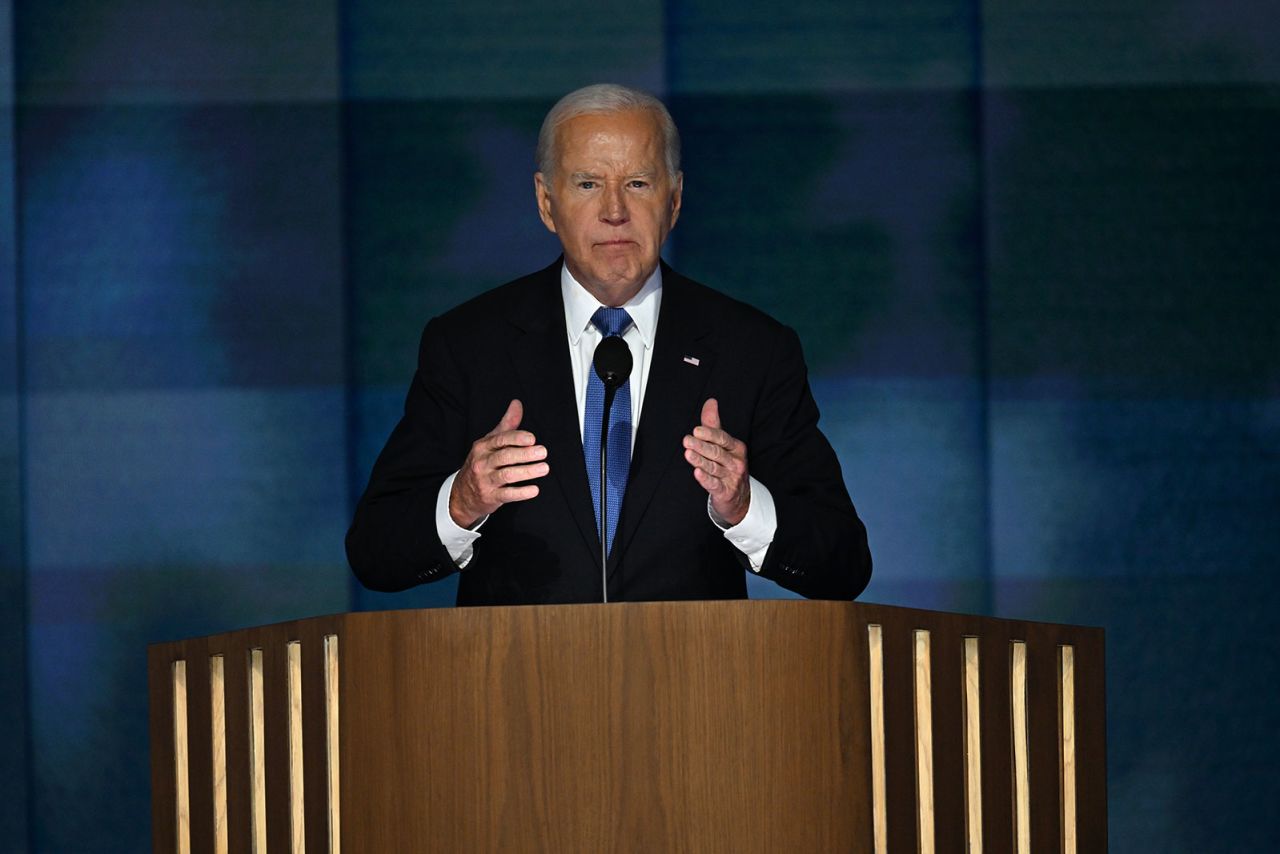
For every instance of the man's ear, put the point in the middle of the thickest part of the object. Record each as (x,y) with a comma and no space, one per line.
(677,194)
(542,192)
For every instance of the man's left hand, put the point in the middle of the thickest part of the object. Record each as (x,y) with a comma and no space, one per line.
(719,465)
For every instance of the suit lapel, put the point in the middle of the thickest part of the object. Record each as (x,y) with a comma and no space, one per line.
(672,400)
(540,354)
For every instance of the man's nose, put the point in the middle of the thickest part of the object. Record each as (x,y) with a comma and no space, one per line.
(614,210)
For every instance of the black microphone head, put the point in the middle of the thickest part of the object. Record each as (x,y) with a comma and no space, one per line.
(613,361)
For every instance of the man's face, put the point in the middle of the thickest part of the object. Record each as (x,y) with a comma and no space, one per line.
(610,200)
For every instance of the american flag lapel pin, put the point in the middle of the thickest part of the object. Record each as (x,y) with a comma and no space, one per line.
(692,360)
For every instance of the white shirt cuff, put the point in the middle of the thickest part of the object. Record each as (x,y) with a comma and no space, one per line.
(753,535)
(458,541)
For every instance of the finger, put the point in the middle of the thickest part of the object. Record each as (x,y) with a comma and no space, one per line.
(517,455)
(509,439)
(710,450)
(709,434)
(509,494)
(717,437)
(712,485)
(732,457)
(518,474)
(485,460)
(711,414)
(510,419)
(704,464)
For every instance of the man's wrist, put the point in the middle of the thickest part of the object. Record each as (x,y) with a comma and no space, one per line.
(458,540)
(754,534)
(462,516)
(723,523)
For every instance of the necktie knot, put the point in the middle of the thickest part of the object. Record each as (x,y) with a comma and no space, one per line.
(611,321)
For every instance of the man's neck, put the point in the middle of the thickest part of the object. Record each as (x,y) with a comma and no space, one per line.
(615,296)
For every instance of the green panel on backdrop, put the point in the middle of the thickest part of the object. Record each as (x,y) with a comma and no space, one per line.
(438,190)
(1111,44)
(130,51)
(503,49)
(754,48)
(1133,239)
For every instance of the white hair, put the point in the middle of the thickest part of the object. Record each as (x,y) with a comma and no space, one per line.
(604,98)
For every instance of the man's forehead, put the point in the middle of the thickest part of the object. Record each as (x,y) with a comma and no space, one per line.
(609,140)
(630,116)
(638,126)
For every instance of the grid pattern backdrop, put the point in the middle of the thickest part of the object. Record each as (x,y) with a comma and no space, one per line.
(1031,249)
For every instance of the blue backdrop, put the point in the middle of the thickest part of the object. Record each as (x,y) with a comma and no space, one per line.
(1031,249)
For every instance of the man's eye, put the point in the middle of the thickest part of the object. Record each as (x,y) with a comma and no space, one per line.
(586,185)
(639,185)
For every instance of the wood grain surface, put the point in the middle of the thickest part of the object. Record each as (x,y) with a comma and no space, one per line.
(576,728)
(692,726)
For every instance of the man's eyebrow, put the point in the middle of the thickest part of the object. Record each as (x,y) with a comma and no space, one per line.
(596,176)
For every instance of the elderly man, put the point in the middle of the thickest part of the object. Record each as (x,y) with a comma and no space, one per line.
(716,464)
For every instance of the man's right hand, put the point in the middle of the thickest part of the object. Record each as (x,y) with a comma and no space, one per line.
(498,461)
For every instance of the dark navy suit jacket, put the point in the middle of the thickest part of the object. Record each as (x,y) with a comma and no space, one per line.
(510,343)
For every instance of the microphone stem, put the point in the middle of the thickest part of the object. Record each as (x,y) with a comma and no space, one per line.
(609,392)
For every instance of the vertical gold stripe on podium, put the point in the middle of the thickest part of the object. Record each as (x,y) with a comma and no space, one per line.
(331,740)
(1021,772)
(218,744)
(972,747)
(924,742)
(297,813)
(1067,757)
(257,757)
(181,772)
(879,811)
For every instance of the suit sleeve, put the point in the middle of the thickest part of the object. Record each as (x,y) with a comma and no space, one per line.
(820,547)
(393,543)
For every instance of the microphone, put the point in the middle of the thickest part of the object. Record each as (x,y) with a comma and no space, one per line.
(612,362)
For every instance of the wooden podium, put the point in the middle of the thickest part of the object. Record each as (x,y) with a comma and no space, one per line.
(648,727)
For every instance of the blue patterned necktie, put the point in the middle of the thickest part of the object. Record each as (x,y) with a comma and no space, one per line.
(610,321)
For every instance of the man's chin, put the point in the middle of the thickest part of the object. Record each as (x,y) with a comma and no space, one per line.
(620,283)
(613,268)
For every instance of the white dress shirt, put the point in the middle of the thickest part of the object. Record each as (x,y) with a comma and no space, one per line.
(751,536)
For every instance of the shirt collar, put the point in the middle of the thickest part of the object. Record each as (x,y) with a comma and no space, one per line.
(580,305)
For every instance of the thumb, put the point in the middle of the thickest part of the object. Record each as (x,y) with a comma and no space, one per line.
(711,414)
(510,419)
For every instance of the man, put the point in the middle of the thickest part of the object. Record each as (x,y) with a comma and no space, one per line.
(493,470)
